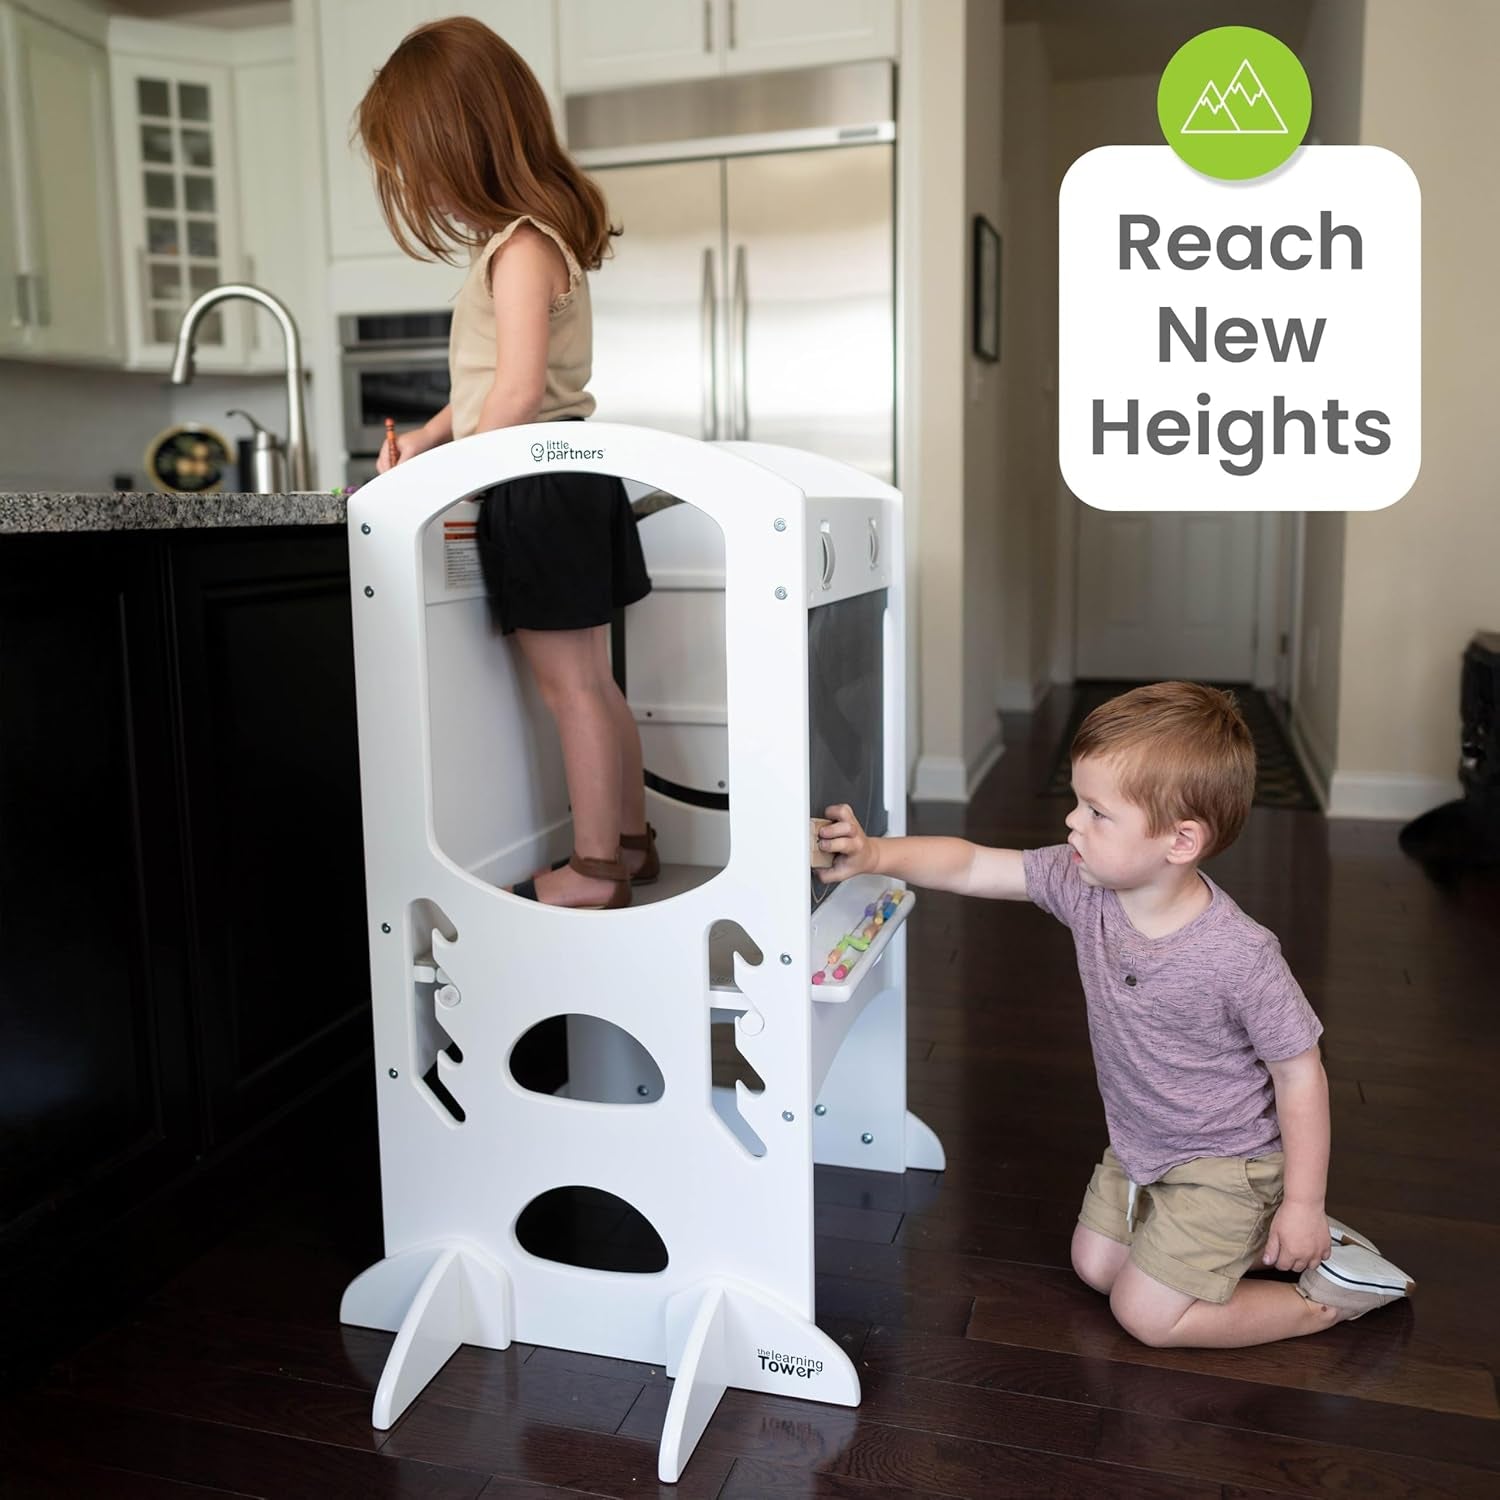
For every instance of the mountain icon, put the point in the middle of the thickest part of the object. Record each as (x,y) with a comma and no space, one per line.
(1251,105)
(1210,115)
(1244,108)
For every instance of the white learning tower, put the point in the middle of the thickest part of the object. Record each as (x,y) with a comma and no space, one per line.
(766,671)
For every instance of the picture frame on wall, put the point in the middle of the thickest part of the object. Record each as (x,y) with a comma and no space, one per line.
(986,290)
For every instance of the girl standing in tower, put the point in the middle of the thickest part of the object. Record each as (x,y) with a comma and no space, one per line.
(466,158)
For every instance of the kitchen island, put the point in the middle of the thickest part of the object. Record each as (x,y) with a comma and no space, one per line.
(183,972)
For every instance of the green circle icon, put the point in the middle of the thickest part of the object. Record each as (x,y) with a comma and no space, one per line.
(1234,102)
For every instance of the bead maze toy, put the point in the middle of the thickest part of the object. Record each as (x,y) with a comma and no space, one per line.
(766,673)
(853,946)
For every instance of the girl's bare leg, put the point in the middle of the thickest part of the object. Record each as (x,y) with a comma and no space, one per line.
(628,737)
(566,664)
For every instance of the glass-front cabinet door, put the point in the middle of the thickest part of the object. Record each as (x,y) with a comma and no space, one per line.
(174,152)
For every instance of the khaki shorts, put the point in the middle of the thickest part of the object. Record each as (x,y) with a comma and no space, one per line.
(1199,1228)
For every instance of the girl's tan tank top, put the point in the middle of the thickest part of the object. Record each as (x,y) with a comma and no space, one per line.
(471,343)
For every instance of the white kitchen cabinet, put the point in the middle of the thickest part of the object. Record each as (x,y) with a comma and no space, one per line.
(605,44)
(13,325)
(273,239)
(761,36)
(59,296)
(174,161)
(354,38)
(206,153)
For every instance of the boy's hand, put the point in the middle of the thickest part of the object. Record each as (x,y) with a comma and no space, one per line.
(1299,1237)
(855,853)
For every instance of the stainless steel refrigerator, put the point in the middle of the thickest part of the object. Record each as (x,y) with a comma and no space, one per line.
(752,293)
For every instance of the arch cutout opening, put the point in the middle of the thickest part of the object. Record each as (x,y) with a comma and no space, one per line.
(668,656)
(592,1229)
(587,1059)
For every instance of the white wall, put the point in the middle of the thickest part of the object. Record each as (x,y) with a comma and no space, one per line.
(934,258)
(1029,362)
(73,429)
(1333,54)
(1422,576)
(953,427)
(1391,598)
(985,499)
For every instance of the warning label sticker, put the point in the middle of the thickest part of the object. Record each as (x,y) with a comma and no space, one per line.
(461,570)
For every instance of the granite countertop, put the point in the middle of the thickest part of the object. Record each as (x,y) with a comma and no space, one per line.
(32,514)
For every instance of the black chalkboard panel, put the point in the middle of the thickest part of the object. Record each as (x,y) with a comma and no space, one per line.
(846,711)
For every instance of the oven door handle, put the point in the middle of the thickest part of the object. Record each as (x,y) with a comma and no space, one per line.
(385,359)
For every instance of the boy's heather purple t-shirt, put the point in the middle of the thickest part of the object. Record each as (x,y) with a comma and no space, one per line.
(1182,1025)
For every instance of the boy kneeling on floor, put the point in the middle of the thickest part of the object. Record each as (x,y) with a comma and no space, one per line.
(1204,1044)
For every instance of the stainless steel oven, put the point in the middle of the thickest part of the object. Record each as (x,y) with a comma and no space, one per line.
(394,365)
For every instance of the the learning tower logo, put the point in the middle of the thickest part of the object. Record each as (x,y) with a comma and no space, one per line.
(555,449)
(798,1366)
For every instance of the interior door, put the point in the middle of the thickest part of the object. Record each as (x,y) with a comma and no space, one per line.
(812,302)
(658,334)
(1165,594)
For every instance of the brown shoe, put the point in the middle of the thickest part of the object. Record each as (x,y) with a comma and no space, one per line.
(592,869)
(650,869)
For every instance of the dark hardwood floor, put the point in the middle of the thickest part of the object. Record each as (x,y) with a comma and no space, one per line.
(988,1370)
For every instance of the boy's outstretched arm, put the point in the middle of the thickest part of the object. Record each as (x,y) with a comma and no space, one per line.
(939,864)
(1299,1233)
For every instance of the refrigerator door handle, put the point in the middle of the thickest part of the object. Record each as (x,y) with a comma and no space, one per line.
(709,338)
(741,335)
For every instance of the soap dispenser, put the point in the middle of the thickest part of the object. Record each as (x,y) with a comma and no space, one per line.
(266,472)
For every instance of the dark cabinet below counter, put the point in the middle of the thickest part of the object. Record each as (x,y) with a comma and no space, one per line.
(183,966)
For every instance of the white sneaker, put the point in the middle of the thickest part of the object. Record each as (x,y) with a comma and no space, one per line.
(1342,1234)
(1354,1280)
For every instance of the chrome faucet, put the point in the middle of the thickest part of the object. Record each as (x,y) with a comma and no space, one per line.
(299,471)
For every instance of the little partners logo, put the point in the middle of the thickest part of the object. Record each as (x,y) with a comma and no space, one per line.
(799,1366)
(555,450)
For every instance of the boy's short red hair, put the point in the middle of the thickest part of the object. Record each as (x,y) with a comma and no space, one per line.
(1181,750)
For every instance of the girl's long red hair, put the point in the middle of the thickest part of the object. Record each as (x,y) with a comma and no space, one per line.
(461,139)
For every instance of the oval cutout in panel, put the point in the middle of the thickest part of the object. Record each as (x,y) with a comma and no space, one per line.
(588,1059)
(587,1227)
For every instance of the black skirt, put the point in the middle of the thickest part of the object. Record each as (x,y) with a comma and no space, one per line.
(560,551)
